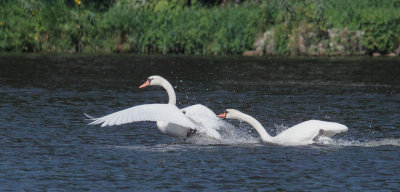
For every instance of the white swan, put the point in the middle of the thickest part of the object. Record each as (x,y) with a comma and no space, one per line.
(301,134)
(170,120)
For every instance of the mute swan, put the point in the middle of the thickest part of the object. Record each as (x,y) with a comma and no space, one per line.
(301,134)
(170,120)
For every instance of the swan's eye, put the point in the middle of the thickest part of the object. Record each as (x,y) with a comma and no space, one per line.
(149,80)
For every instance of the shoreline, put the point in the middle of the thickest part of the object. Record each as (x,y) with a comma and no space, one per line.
(275,28)
(216,57)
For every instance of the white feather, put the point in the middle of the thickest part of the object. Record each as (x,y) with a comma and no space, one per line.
(149,112)
(305,132)
(301,134)
(207,120)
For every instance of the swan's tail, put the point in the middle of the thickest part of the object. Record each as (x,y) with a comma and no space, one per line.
(89,117)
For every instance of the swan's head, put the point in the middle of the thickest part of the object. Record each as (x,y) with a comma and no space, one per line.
(230,114)
(153,80)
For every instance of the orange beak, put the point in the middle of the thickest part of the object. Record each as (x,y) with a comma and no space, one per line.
(222,115)
(145,84)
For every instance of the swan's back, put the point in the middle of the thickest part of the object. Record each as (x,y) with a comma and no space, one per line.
(305,132)
(202,114)
(205,119)
(330,128)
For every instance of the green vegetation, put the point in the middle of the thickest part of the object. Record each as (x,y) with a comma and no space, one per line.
(305,27)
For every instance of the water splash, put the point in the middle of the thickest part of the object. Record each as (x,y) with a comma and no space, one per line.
(230,135)
(233,135)
(280,128)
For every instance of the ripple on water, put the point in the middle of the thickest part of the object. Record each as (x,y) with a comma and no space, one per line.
(46,145)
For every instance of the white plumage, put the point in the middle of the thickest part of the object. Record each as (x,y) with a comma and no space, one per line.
(149,112)
(205,119)
(170,120)
(301,134)
(306,132)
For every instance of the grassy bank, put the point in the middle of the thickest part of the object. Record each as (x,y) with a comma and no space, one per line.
(204,28)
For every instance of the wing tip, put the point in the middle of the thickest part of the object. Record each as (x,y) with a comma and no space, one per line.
(89,117)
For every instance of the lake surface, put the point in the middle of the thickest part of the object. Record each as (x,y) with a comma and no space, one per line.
(45,144)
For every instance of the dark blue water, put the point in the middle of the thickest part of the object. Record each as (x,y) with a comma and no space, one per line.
(46,145)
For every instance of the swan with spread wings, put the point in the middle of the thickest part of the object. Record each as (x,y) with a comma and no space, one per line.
(182,123)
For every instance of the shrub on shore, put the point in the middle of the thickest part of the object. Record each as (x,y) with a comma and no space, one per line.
(287,27)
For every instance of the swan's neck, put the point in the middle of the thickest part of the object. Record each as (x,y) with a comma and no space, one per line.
(257,125)
(170,91)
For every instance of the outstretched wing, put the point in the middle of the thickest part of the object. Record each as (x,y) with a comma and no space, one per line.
(149,112)
(205,119)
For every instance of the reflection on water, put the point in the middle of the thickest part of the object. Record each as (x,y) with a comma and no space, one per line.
(46,144)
